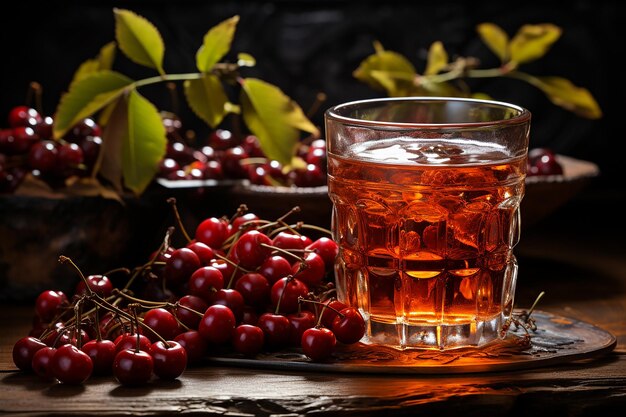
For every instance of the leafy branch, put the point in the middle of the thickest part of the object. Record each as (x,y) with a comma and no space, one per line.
(393,73)
(134,139)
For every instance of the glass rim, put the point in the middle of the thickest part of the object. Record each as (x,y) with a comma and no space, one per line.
(523,116)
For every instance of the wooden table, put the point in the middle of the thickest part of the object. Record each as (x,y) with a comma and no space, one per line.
(579,262)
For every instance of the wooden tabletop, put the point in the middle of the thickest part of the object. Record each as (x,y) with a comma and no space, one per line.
(580,263)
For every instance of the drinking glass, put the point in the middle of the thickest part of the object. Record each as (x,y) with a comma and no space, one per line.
(426,195)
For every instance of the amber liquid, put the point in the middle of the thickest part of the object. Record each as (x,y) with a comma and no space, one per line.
(425,230)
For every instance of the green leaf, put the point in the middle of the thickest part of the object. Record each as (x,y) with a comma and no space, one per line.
(113,138)
(140,41)
(245,60)
(216,44)
(145,143)
(564,93)
(274,118)
(400,72)
(495,38)
(104,61)
(86,96)
(207,99)
(533,41)
(437,58)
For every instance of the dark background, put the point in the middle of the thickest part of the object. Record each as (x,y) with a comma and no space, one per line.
(306,47)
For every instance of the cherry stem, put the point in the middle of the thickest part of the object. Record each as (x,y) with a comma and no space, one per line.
(97,325)
(541,294)
(284,251)
(133,308)
(143,303)
(282,218)
(287,281)
(172,202)
(163,247)
(177,304)
(65,259)
(78,311)
(230,262)
(324,305)
(117,270)
(241,210)
(320,98)
(34,89)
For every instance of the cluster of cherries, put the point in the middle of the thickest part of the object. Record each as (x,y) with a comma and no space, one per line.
(224,156)
(27,146)
(245,285)
(542,161)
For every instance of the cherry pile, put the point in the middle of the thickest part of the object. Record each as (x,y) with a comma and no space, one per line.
(542,161)
(27,146)
(224,156)
(242,286)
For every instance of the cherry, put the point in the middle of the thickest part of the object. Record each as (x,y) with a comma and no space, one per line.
(218,324)
(221,139)
(543,162)
(249,316)
(318,343)
(49,304)
(162,322)
(41,362)
(169,360)
(100,284)
(213,170)
(84,128)
(276,329)
(129,341)
(329,314)
(180,152)
(231,162)
(252,146)
(317,144)
(227,269)
(274,268)
(102,353)
(205,281)
(187,317)
(68,337)
(194,344)
(90,146)
(243,222)
(327,249)
(212,232)
(43,156)
(181,265)
(248,339)
(311,176)
(24,116)
(292,289)
(349,327)
(43,129)
(209,153)
(259,175)
(318,157)
(167,166)
(71,365)
(298,323)
(254,288)
(311,271)
(250,250)
(231,299)
(287,241)
(275,170)
(204,252)
(24,350)
(133,367)
(69,158)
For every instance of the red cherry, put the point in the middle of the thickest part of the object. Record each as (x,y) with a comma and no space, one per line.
(68,337)
(49,304)
(231,299)
(254,289)
(285,240)
(43,156)
(163,322)
(275,170)
(293,289)
(328,314)
(82,129)
(41,362)
(71,365)
(44,128)
(252,146)
(221,139)
(259,175)
(350,326)
(227,269)
(274,268)
(129,341)
(204,252)
(318,343)
(543,162)
(249,316)
(250,250)
(327,249)
(311,271)
(244,222)
(318,144)
(299,322)
(180,152)
(100,284)
(217,324)
(213,170)
(317,156)
(187,317)
(248,339)
(91,146)
(24,116)
(182,263)
(167,166)
(69,158)
(102,353)
(276,329)
(169,361)
(24,350)
(311,176)
(133,367)
(212,232)
(194,344)
(205,281)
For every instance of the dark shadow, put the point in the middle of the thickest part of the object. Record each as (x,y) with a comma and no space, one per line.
(28,381)
(132,391)
(64,390)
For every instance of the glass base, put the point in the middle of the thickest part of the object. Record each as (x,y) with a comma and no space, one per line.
(432,336)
